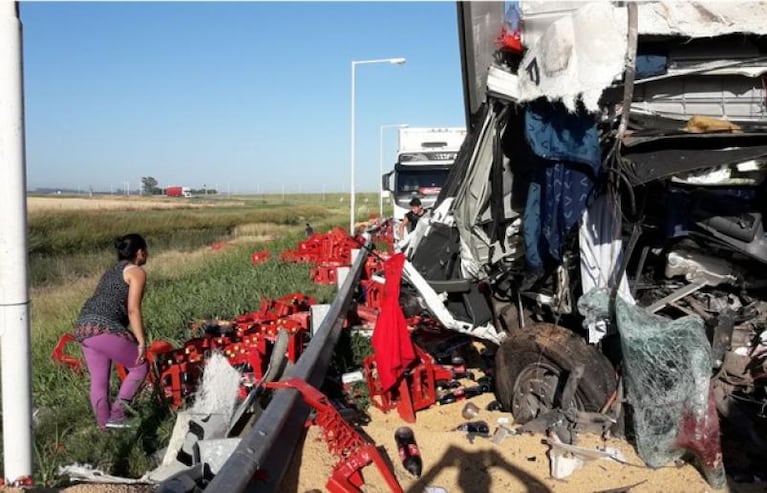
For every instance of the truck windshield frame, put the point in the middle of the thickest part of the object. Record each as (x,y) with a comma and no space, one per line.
(412,180)
(427,157)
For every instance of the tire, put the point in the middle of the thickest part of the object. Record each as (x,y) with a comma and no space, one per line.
(532,366)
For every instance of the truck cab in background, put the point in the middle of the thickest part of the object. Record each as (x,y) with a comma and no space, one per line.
(424,158)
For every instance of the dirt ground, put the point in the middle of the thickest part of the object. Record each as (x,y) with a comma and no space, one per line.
(40,204)
(518,464)
(450,462)
(453,464)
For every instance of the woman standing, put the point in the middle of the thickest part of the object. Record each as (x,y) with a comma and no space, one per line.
(110,328)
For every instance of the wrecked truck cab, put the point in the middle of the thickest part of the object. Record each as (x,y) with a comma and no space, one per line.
(650,200)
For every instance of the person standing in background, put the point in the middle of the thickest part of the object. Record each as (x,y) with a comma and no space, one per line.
(412,217)
(110,328)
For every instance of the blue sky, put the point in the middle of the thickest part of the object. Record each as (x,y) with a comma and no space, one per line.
(243,96)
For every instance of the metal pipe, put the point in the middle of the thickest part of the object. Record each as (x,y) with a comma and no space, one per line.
(351,190)
(393,61)
(14,284)
(380,171)
(270,444)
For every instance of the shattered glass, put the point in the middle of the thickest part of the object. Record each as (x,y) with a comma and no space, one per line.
(667,368)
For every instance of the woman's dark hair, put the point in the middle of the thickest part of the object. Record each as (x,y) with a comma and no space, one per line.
(128,246)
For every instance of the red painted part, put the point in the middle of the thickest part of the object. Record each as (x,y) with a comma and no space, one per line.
(335,245)
(19,482)
(374,264)
(325,273)
(253,318)
(297,302)
(273,309)
(248,343)
(366,316)
(416,391)
(510,41)
(218,245)
(373,294)
(700,435)
(259,257)
(157,347)
(59,356)
(354,452)
(248,346)
(385,235)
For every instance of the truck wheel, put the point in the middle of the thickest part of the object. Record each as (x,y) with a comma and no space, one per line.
(532,366)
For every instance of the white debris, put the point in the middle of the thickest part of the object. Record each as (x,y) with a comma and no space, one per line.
(212,410)
(87,474)
(566,459)
(219,388)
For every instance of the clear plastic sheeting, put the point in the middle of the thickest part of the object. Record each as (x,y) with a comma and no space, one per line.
(667,368)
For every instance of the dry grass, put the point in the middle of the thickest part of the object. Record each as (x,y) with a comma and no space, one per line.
(173,264)
(49,304)
(109,203)
(261,229)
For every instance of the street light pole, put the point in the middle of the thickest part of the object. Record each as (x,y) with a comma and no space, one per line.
(380,163)
(394,61)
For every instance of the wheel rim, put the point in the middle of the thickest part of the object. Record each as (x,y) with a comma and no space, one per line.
(537,390)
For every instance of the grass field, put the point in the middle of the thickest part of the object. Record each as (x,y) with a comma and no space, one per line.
(187,280)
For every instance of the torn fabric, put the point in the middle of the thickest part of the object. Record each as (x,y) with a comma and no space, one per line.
(570,159)
(601,248)
(391,341)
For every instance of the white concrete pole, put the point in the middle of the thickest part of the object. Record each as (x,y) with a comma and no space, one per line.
(14,284)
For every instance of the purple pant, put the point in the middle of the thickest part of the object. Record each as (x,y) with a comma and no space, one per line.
(99,352)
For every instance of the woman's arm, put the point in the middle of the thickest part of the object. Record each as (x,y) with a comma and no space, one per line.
(136,279)
(402,225)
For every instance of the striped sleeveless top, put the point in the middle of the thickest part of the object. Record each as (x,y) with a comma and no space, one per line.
(106,312)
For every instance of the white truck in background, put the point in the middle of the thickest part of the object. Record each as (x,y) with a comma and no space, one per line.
(424,158)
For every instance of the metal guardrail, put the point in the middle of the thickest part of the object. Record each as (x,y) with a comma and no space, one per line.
(270,444)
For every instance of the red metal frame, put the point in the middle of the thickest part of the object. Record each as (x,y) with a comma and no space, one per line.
(247,342)
(259,257)
(417,389)
(59,356)
(354,452)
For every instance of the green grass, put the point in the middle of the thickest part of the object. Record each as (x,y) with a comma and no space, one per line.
(227,287)
(64,232)
(222,285)
(72,243)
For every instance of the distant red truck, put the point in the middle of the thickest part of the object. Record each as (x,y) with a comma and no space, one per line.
(177,192)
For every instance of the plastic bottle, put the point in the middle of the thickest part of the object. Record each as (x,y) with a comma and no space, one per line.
(486,383)
(478,427)
(446,399)
(474,391)
(494,406)
(408,451)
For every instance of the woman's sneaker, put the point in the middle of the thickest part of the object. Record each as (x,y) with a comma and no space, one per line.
(119,424)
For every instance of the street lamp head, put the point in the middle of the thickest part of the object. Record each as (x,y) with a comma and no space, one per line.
(397,61)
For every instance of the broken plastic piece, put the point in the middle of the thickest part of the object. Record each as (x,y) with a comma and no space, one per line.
(566,459)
